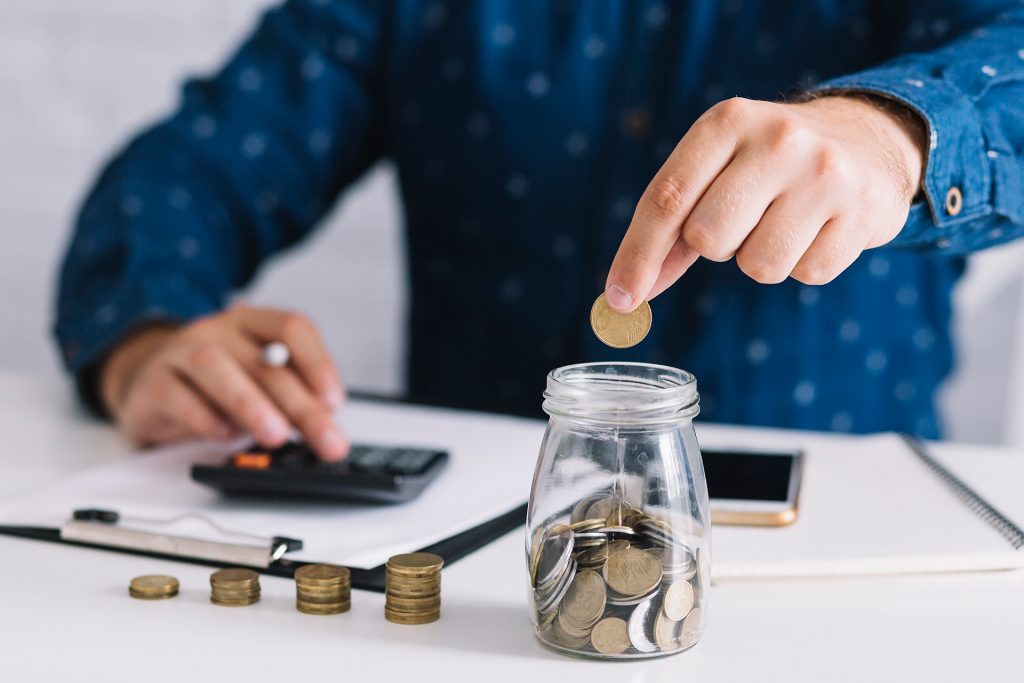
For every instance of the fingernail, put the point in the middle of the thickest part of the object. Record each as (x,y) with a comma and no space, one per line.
(272,430)
(618,298)
(331,442)
(333,398)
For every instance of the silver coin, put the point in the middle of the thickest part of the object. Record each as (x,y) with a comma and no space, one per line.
(554,598)
(555,551)
(641,626)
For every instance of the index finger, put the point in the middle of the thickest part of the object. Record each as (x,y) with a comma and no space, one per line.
(700,156)
(306,348)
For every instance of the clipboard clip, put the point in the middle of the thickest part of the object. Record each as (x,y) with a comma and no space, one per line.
(110,528)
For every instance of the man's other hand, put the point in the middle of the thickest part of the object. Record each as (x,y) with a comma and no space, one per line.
(208,379)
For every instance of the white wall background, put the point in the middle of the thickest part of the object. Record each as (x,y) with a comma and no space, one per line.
(77,77)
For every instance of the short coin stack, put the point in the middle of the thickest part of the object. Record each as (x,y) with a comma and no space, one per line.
(413,588)
(323,589)
(153,587)
(234,587)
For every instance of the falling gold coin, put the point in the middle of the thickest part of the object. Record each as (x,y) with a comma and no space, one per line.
(620,330)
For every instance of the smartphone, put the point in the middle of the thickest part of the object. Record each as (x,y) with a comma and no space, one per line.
(753,488)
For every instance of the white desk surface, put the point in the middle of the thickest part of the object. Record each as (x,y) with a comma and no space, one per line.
(65,614)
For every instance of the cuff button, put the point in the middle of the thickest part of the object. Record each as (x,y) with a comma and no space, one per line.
(954,201)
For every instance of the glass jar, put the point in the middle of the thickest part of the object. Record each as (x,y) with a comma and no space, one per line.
(618,526)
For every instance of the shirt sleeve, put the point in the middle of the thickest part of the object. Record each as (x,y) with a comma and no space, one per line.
(248,163)
(962,70)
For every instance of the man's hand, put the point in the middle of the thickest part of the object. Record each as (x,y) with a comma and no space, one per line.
(788,189)
(208,379)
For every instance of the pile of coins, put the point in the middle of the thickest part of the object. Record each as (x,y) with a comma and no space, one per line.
(412,593)
(323,589)
(615,581)
(153,587)
(234,587)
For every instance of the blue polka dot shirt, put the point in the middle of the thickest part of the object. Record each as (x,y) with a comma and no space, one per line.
(524,134)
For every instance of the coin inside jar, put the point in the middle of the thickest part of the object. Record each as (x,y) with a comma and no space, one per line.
(610,636)
(552,555)
(632,572)
(584,602)
(678,600)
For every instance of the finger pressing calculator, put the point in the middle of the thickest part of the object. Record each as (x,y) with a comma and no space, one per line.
(370,474)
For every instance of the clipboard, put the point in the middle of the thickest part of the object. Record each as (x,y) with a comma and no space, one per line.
(451,549)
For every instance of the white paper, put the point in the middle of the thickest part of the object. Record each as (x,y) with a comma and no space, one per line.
(489,471)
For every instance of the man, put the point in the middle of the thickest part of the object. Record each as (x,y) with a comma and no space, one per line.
(528,136)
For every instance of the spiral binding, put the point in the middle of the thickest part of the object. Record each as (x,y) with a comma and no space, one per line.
(978,505)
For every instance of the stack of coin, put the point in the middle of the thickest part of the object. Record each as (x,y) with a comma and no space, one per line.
(615,580)
(323,589)
(413,588)
(153,587)
(234,587)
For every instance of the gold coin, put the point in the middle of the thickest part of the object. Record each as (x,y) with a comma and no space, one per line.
(321,590)
(610,636)
(632,572)
(584,602)
(423,604)
(234,603)
(585,525)
(691,627)
(322,575)
(234,575)
(570,629)
(566,640)
(678,600)
(405,618)
(153,587)
(617,545)
(332,608)
(620,330)
(415,563)
(666,632)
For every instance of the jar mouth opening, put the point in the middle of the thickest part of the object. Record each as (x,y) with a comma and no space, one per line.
(621,393)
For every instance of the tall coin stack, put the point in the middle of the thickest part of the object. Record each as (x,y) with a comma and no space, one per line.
(323,589)
(234,587)
(413,588)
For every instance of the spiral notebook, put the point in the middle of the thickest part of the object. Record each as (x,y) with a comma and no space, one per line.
(883,505)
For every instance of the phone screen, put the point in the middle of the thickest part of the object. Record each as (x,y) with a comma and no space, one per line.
(739,475)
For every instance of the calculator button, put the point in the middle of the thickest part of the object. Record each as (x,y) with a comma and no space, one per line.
(369,459)
(410,461)
(252,461)
(294,456)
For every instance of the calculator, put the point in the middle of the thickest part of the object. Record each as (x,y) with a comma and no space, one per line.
(370,474)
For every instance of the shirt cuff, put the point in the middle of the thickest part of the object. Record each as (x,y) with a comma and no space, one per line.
(957,179)
(86,337)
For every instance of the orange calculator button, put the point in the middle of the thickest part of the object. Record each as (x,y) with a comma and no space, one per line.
(252,461)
